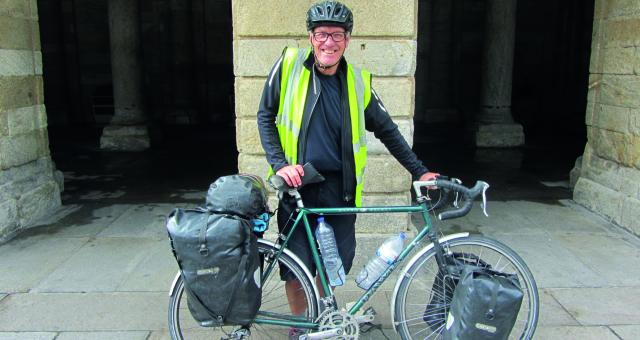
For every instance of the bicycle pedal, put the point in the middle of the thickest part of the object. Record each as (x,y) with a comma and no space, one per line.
(330,333)
(238,334)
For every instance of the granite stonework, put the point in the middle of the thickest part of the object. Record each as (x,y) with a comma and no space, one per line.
(381,43)
(29,183)
(610,168)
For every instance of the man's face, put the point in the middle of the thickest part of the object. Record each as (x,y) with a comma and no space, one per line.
(329,51)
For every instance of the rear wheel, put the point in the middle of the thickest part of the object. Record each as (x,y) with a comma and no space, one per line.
(274,304)
(422,285)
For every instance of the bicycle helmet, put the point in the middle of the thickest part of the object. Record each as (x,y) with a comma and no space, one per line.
(332,13)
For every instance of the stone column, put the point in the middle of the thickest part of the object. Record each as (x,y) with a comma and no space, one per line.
(183,112)
(496,127)
(29,184)
(127,130)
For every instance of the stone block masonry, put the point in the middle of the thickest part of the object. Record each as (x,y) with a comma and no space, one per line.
(610,174)
(383,41)
(28,189)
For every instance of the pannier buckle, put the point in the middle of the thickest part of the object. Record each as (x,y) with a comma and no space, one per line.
(203,250)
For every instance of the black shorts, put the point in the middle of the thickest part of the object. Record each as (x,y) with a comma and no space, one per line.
(319,195)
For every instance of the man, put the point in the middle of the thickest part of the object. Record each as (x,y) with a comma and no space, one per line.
(315,108)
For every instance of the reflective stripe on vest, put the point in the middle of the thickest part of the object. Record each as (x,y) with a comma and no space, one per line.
(295,84)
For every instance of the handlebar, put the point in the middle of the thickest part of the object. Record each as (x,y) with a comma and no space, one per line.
(468,195)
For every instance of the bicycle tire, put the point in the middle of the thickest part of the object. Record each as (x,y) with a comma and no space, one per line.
(274,299)
(414,290)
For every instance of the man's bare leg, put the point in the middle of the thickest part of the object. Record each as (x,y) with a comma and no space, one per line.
(295,295)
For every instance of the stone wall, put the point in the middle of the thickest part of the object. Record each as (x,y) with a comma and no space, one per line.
(384,42)
(610,174)
(28,190)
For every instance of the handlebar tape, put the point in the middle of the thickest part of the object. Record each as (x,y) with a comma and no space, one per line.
(468,195)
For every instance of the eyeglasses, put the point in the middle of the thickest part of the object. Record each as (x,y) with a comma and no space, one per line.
(323,36)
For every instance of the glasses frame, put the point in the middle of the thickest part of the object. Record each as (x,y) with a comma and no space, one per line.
(327,35)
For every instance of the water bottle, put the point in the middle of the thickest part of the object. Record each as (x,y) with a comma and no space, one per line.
(329,250)
(386,254)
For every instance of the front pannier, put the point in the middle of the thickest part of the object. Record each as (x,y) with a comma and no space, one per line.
(485,305)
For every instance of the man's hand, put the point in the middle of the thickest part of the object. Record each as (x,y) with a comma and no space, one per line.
(427,176)
(291,174)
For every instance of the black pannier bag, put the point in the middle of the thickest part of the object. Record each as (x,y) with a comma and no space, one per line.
(485,305)
(218,254)
(444,284)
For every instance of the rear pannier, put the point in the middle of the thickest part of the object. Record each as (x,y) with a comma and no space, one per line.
(217,251)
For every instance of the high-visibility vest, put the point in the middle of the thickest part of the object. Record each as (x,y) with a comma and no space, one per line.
(293,94)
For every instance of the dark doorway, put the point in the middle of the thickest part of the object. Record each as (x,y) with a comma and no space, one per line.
(549,89)
(188,80)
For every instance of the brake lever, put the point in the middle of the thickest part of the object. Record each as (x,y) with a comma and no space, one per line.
(485,186)
(455,200)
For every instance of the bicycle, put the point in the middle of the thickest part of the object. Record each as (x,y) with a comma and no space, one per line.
(423,279)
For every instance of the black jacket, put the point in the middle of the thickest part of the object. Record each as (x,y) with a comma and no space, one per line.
(377,120)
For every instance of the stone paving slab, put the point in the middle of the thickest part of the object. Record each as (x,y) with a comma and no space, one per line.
(131,335)
(601,306)
(606,256)
(28,335)
(502,219)
(83,312)
(551,264)
(574,332)
(30,259)
(552,313)
(85,220)
(141,221)
(155,272)
(100,266)
(627,332)
(546,216)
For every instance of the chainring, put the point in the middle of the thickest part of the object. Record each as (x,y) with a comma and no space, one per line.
(342,320)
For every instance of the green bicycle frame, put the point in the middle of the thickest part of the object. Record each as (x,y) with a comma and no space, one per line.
(301,322)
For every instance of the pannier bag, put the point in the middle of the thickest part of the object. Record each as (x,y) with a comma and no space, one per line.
(217,252)
(444,285)
(485,305)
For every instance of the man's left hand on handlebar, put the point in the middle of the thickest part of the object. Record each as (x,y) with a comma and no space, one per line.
(292,174)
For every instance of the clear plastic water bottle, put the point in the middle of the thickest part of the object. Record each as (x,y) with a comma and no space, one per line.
(329,250)
(386,254)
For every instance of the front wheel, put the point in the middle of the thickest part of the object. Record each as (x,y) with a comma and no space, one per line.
(274,302)
(422,285)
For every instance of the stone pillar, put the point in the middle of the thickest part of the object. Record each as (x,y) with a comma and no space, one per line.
(29,184)
(496,127)
(383,41)
(182,88)
(609,171)
(127,130)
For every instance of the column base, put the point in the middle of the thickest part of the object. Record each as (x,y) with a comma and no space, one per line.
(499,135)
(125,138)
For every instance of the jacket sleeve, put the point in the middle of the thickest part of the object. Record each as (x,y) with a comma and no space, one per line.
(378,121)
(267,113)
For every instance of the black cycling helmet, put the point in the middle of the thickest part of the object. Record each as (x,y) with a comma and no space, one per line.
(332,13)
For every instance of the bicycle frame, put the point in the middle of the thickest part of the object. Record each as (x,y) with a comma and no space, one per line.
(303,218)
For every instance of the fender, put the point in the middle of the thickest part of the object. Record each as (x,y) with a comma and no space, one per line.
(404,272)
(174,286)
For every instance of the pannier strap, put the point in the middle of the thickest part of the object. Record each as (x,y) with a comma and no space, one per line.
(202,237)
(238,280)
